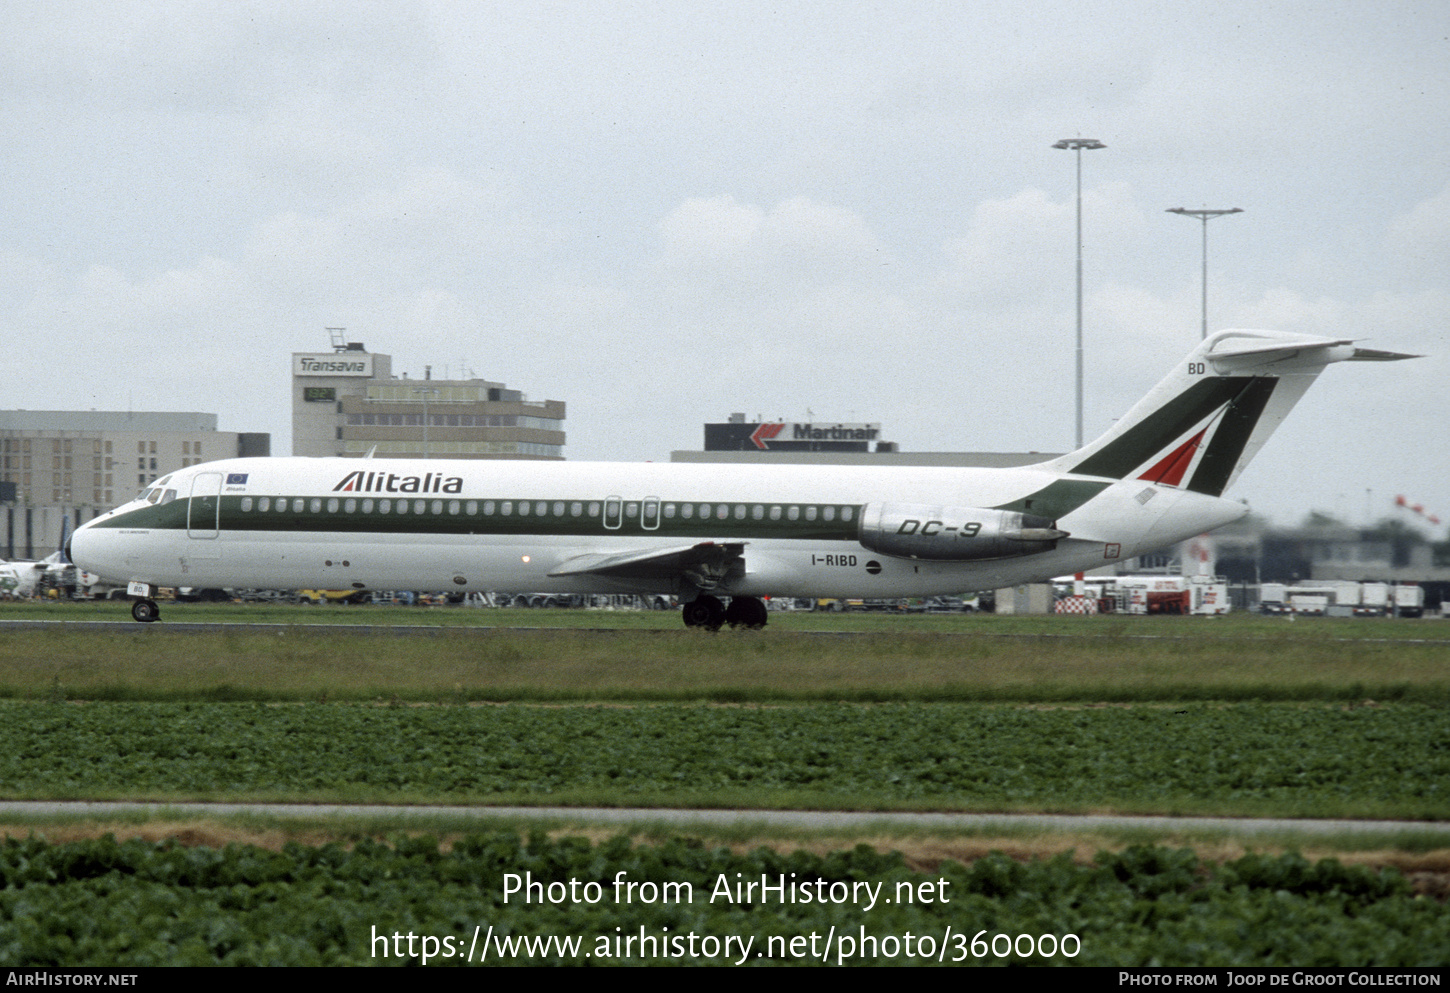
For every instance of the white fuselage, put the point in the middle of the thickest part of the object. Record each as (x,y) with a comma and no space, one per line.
(462,525)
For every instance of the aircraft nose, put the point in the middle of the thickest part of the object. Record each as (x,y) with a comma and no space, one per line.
(87,547)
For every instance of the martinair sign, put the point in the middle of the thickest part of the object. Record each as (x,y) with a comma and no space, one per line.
(834,432)
(333,364)
(790,436)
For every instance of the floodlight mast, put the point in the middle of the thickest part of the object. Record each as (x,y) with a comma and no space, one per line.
(425,392)
(1205,216)
(1077,145)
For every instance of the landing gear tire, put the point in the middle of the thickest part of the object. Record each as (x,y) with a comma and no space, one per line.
(703,612)
(746,612)
(145,611)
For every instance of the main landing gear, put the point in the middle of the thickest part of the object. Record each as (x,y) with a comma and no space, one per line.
(708,612)
(145,611)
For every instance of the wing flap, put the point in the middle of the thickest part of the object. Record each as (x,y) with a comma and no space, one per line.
(702,565)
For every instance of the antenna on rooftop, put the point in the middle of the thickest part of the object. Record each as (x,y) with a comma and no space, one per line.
(339,339)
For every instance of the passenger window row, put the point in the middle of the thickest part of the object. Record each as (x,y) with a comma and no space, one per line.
(758,512)
(544,508)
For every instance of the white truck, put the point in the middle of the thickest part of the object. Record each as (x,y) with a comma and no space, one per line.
(1343,599)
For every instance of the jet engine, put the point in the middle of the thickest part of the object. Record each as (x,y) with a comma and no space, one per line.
(924,531)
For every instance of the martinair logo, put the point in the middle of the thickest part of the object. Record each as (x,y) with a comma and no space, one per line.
(359,481)
(764,433)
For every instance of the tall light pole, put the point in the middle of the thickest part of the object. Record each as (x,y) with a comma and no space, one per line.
(1205,216)
(425,393)
(1077,145)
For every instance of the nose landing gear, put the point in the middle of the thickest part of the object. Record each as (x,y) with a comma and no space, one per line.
(145,611)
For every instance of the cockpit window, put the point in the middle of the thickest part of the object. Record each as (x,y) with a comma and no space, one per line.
(159,495)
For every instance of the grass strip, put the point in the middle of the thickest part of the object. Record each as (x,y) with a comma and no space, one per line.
(298,664)
(1231,760)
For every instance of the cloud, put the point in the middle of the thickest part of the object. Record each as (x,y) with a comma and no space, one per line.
(1283,309)
(798,239)
(1008,244)
(710,230)
(136,310)
(527,189)
(1422,316)
(206,56)
(1420,237)
(1015,246)
(431,228)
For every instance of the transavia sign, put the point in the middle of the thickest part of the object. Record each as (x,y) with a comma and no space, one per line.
(333,364)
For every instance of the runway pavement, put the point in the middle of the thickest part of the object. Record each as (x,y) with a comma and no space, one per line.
(816,820)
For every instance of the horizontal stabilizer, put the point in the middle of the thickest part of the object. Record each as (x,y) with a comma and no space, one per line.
(1243,351)
(1243,345)
(1376,355)
(1238,351)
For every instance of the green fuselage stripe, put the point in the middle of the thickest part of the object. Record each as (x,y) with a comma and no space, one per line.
(1058,498)
(204,517)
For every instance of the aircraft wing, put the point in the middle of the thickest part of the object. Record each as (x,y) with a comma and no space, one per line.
(703,565)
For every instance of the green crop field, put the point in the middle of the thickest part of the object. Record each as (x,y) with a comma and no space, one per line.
(494,899)
(1227,715)
(1233,716)
(1290,760)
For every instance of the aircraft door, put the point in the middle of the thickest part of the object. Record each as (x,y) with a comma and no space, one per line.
(613,513)
(204,506)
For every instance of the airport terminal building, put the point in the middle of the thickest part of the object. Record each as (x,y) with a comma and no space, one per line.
(68,466)
(348,403)
(761,442)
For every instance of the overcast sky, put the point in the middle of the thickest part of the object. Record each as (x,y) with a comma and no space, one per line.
(661,213)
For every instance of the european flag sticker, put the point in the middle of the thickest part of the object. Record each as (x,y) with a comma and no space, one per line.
(236,478)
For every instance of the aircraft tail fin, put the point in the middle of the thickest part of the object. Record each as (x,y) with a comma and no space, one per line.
(1201,425)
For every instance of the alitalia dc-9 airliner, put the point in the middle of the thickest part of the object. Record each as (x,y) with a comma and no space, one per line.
(720,537)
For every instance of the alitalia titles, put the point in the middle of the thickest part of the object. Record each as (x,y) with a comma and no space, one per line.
(359,481)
